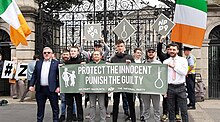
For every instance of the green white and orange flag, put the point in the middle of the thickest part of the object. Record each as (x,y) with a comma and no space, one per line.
(190,18)
(11,14)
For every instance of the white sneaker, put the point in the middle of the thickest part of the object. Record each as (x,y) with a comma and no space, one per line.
(88,116)
(108,115)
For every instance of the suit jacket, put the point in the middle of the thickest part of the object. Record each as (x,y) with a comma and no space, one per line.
(53,81)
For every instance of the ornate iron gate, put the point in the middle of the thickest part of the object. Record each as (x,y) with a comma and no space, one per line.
(5,50)
(214,59)
(107,12)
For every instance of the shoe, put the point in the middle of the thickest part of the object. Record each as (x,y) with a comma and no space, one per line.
(62,118)
(164,117)
(74,117)
(21,100)
(87,116)
(128,118)
(142,119)
(126,113)
(108,115)
(15,97)
(178,117)
(192,107)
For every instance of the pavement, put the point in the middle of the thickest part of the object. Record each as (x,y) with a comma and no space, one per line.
(25,111)
(15,111)
(207,111)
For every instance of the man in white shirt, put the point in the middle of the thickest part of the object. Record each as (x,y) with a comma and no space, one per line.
(177,70)
(45,79)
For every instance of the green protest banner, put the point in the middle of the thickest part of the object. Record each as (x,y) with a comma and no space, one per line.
(113,77)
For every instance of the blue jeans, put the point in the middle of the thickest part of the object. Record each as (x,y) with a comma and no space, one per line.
(63,105)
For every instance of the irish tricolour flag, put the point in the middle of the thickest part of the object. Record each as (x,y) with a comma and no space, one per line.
(190,18)
(11,14)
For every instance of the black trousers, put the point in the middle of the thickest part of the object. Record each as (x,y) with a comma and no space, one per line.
(177,92)
(116,99)
(190,85)
(165,106)
(41,97)
(106,101)
(69,102)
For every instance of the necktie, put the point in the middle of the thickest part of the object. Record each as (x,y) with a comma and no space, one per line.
(174,72)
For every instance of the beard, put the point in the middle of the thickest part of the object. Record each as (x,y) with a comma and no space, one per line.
(173,54)
(65,58)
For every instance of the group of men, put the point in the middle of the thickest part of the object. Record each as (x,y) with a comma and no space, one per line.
(180,71)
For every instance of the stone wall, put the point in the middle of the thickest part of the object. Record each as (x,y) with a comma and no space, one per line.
(202,54)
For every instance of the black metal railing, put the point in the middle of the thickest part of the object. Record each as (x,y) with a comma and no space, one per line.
(108,13)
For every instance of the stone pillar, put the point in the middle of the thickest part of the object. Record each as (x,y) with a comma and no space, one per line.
(201,55)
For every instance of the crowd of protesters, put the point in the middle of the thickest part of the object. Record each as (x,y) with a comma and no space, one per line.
(43,75)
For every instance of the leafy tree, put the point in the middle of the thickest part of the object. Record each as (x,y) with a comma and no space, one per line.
(57,5)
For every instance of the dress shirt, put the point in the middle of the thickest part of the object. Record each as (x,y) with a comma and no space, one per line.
(45,72)
(181,68)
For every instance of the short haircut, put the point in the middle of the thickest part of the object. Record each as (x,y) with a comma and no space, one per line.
(45,48)
(135,50)
(119,41)
(36,57)
(66,51)
(75,47)
(187,48)
(100,52)
(174,45)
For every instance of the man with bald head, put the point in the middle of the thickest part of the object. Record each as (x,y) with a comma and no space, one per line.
(45,80)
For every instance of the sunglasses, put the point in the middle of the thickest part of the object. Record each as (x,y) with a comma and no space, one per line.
(47,52)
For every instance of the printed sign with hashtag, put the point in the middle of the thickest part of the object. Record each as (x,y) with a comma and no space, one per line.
(8,69)
(163,25)
(21,71)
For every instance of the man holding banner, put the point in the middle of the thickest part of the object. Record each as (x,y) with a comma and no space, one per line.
(177,70)
(122,57)
(139,59)
(97,59)
(150,58)
(75,58)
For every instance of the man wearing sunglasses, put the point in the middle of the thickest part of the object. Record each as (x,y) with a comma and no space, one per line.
(45,80)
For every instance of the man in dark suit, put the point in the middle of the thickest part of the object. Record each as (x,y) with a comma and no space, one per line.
(45,79)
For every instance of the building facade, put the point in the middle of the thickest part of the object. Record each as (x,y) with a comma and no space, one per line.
(208,56)
(8,50)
